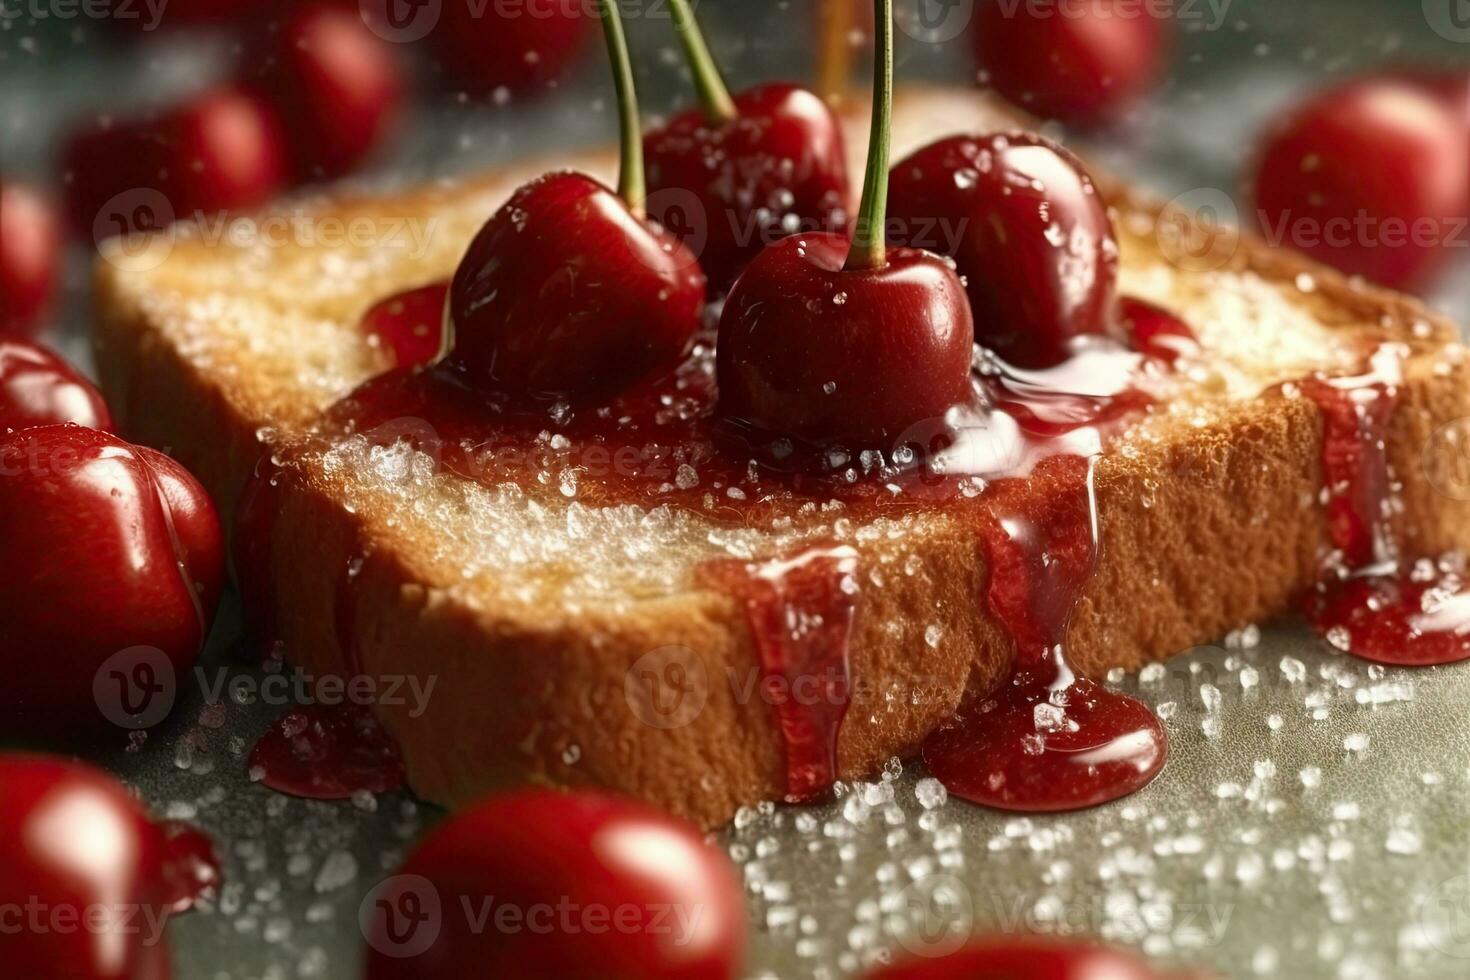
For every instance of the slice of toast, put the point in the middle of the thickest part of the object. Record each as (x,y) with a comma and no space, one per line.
(563,635)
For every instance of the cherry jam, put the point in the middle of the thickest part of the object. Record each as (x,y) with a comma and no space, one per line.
(660,444)
(1372,602)
(327,752)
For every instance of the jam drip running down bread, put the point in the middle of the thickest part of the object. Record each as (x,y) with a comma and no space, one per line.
(612,595)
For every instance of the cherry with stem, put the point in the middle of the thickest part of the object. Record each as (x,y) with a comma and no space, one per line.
(741,171)
(570,293)
(839,343)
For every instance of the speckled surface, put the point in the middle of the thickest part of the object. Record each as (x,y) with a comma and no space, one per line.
(1311,822)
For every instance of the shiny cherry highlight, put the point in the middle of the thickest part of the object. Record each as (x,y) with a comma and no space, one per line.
(37,387)
(1028,232)
(811,351)
(566,294)
(105,547)
(563,858)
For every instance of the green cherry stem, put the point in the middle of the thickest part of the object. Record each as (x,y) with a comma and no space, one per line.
(632,185)
(868,248)
(714,96)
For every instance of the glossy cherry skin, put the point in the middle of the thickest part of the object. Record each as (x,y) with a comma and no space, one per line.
(1081,61)
(222,150)
(565,295)
(39,388)
(1029,234)
(337,85)
(558,858)
(1022,958)
(1348,177)
(733,188)
(30,258)
(515,47)
(72,838)
(831,358)
(198,533)
(104,546)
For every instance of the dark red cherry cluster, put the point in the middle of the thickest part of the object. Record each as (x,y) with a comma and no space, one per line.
(827,338)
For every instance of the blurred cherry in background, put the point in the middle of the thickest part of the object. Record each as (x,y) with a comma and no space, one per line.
(1080,61)
(1371,176)
(221,150)
(30,256)
(521,47)
(336,85)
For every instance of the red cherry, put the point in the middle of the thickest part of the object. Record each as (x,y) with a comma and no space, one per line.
(1024,958)
(30,255)
(729,189)
(39,388)
(1028,232)
(220,151)
(337,85)
(565,294)
(576,885)
(518,47)
(1370,177)
(832,357)
(1082,61)
(76,842)
(97,558)
(409,325)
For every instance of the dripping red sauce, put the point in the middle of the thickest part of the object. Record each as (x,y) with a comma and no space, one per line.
(660,443)
(327,752)
(1046,740)
(801,613)
(1372,601)
(191,868)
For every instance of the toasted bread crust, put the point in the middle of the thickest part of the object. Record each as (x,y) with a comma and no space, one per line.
(1200,535)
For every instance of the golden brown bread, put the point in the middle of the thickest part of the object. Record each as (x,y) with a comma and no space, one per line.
(537,616)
